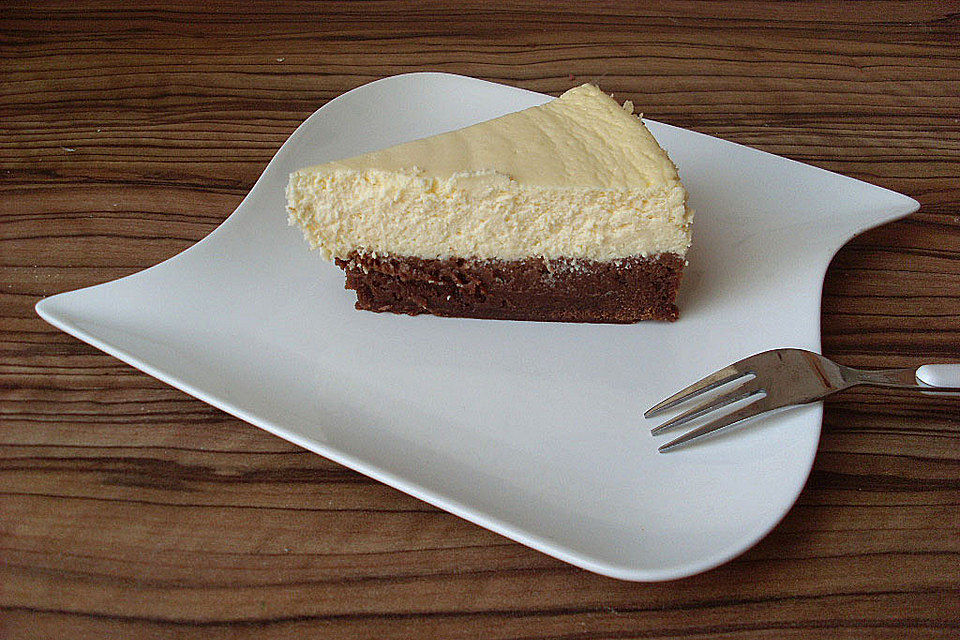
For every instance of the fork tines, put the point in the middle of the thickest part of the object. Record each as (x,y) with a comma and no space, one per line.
(748,388)
(710,382)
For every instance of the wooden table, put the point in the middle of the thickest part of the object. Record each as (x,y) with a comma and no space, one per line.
(128,509)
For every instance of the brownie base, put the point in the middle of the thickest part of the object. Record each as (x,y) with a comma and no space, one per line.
(621,291)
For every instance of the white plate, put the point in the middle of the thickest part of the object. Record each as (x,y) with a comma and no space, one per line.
(532,430)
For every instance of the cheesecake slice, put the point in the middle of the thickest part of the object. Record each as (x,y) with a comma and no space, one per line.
(569,211)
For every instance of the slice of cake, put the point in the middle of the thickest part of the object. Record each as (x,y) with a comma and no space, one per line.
(569,211)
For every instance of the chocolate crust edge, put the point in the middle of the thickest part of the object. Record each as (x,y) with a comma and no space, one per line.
(567,290)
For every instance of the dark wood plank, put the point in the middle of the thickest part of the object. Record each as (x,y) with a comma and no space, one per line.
(128,509)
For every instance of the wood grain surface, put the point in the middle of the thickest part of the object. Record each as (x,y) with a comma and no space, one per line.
(130,510)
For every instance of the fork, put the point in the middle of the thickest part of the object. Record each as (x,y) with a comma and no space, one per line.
(785,378)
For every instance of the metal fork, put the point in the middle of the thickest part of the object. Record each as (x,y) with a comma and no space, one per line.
(784,378)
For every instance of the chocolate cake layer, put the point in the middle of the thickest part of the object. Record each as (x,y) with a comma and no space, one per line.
(620,291)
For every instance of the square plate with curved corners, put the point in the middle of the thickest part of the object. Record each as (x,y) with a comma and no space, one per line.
(533,430)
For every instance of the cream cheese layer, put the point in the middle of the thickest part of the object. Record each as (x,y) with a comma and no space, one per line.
(578,177)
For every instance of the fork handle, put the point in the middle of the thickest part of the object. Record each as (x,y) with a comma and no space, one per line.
(929,377)
(940,375)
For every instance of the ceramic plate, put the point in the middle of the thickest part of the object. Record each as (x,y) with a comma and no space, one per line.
(532,430)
